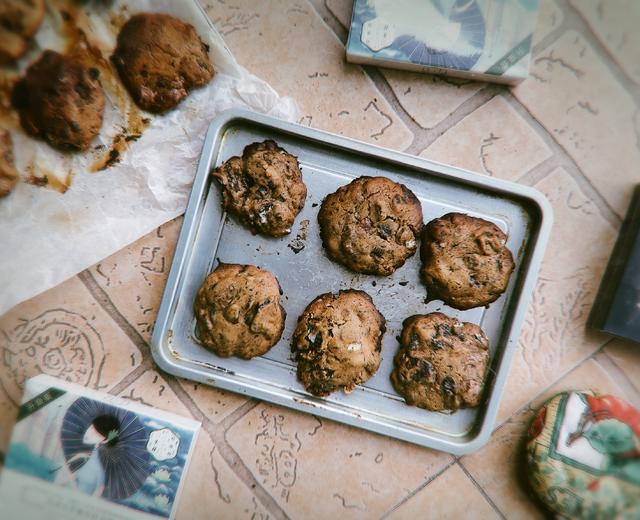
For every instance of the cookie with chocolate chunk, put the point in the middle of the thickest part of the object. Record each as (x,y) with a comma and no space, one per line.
(263,188)
(60,100)
(238,311)
(8,172)
(160,59)
(337,342)
(441,363)
(465,261)
(371,225)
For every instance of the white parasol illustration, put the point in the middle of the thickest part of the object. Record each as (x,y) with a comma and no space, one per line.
(105,449)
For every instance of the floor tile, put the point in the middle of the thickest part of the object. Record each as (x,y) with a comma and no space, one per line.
(215,404)
(427,98)
(212,489)
(152,389)
(135,276)
(494,140)
(332,94)
(320,469)
(550,17)
(615,24)
(442,499)
(341,9)
(574,95)
(626,356)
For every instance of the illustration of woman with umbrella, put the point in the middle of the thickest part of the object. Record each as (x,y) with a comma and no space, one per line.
(105,449)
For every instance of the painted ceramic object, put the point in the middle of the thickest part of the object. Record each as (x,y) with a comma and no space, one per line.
(583,453)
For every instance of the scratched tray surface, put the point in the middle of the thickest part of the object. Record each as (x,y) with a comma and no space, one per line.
(211,236)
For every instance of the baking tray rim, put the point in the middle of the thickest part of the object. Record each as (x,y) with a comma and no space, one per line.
(167,360)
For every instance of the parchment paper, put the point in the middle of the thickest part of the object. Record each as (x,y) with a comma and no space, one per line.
(47,237)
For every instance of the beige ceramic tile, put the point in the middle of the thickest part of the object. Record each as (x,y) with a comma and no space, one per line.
(554,338)
(308,65)
(212,490)
(549,18)
(616,26)
(342,10)
(320,469)
(213,403)
(429,99)
(151,389)
(494,140)
(451,495)
(576,98)
(499,467)
(626,356)
(64,333)
(135,276)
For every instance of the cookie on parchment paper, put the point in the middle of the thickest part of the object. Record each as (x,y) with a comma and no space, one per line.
(160,59)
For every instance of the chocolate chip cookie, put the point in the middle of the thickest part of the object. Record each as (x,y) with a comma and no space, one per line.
(337,342)
(371,225)
(465,262)
(263,188)
(61,101)
(441,363)
(8,173)
(238,311)
(19,21)
(160,59)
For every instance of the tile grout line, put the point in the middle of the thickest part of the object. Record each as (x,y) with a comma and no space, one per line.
(527,405)
(100,295)
(418,489)
(128,379)
(239,468)
(482,491)
(574,20)
(566,161)
(620,377)
(539,171)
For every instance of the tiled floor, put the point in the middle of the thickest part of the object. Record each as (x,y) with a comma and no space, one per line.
(572,130)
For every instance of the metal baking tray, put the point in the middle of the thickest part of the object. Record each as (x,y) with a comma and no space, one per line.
(328,161)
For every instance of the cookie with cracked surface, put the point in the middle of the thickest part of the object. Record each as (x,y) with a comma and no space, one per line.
(337,342)
(238,311)
(8,172)
(19,20)
(465,262)
(60,100)
(160,59)
(441,363)
(371,225)
(263,188)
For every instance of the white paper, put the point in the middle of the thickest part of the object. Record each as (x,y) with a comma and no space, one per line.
(47,237)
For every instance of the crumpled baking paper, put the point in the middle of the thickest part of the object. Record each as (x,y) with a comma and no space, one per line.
(47,237)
